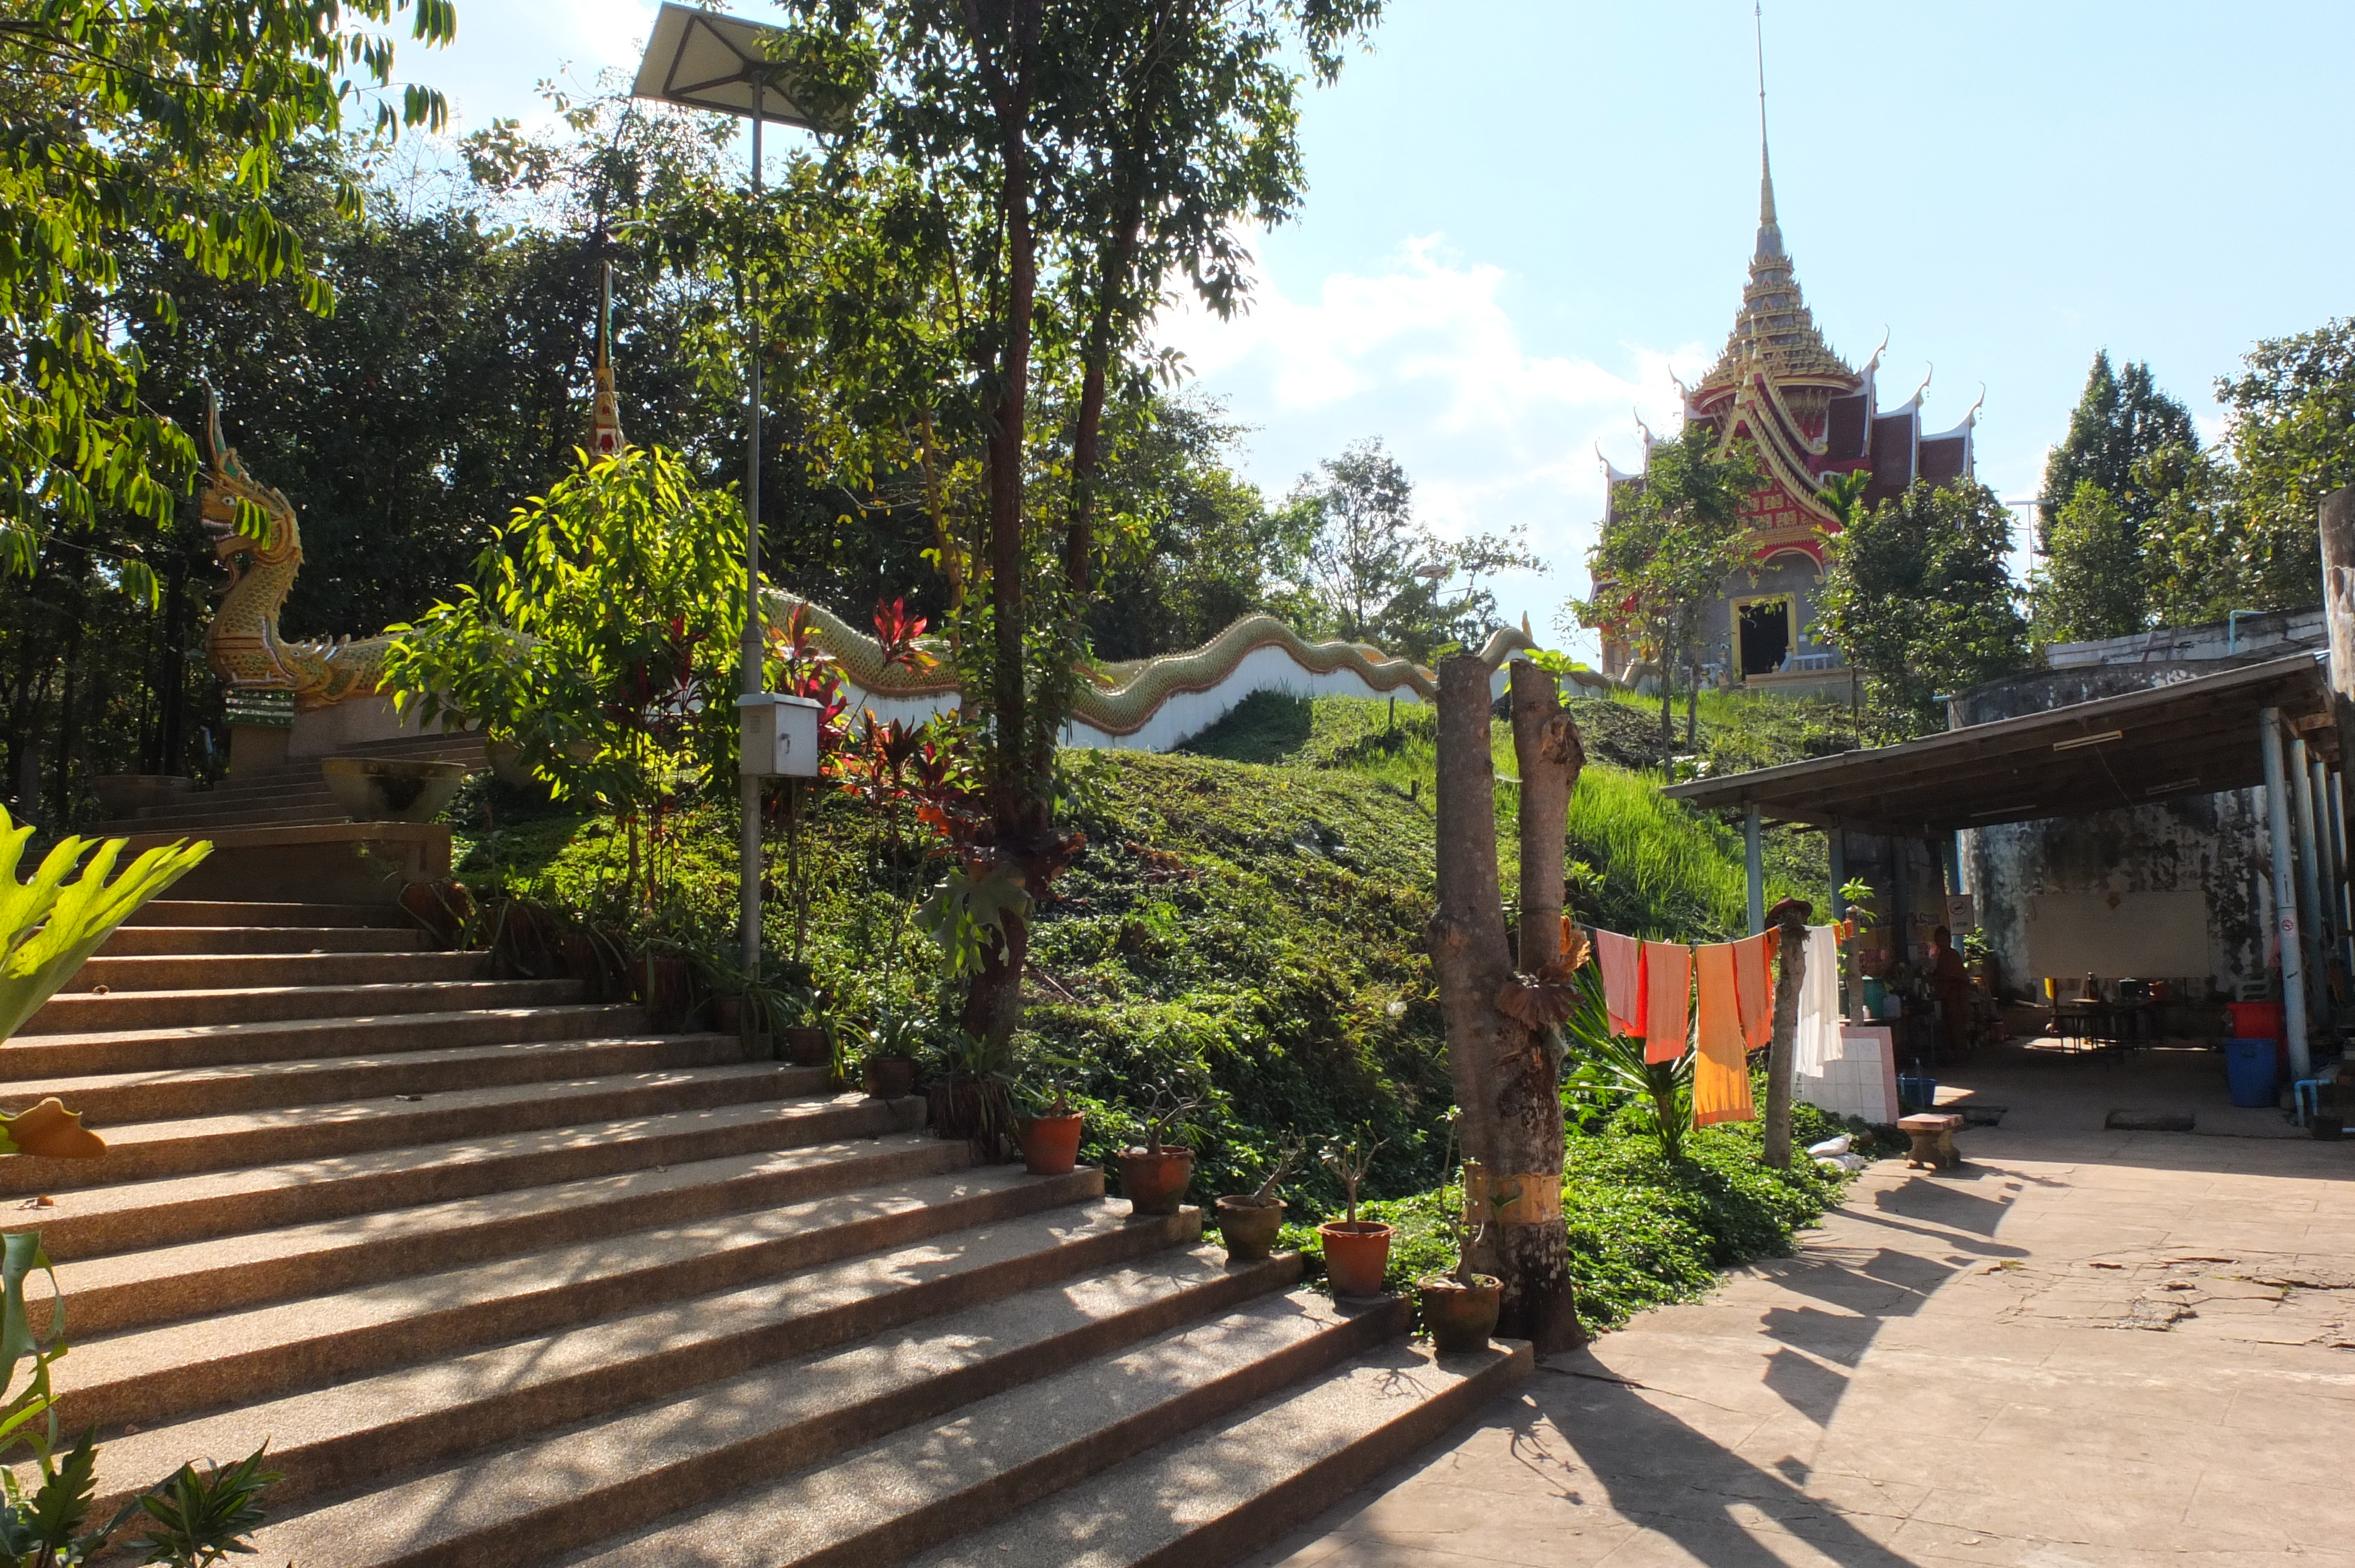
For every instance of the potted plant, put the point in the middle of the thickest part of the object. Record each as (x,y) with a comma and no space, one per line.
(1460,1309)
(1049,1139)
(972,1096)
(1248,1222)
(1357,1254)
(1154,1177)
(887,1065)
(661,980)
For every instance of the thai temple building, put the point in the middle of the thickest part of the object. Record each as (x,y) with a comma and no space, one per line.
(1780,386)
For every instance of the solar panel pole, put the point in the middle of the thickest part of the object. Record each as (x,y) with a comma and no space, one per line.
(749,683)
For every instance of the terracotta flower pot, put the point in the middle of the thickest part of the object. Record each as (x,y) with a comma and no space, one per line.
(1051,1144)
(1356,1256)
(727,1014)
(1248,1228)
(890,1077)
(808,1048)
(1156,1183)
(1460,1317)
(660,985)
(583,962)
(443,908)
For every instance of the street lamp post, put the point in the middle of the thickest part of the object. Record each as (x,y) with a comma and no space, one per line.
(700,59)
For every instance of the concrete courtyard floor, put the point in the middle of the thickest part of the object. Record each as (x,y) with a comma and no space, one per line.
(2116,1348)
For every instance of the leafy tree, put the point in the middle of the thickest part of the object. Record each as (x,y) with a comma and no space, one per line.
(2291,437)
(1663,559)
(1051,170)
(1195,546)
(2121,418)
(149,128)
(597,639)
(1920,600)
(1374,574)
(2092,582)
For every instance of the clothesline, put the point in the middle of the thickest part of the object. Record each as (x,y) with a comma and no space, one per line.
(1716,1000)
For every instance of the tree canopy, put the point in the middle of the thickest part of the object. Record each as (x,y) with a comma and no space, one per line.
(1664,556)
(2120,420)
(139,131)
(1920,599)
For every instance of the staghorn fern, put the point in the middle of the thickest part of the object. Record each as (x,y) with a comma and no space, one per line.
(49,925)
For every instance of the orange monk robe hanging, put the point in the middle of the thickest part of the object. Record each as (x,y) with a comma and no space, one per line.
(1720,1065)
(1754,988)
(1668,1000)
(1620,960)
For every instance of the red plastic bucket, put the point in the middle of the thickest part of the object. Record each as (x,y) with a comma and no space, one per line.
(2262,1021)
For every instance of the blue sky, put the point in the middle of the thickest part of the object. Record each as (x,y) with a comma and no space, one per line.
(1524,214)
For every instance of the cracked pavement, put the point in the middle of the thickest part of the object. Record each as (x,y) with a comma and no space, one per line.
(2091,1348)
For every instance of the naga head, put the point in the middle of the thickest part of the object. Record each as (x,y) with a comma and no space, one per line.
(241,515)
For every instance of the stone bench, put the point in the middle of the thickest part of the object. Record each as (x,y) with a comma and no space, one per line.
(1933,1133)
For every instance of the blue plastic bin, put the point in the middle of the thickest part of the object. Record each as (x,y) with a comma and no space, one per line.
(2249,1070)
(1918,1091)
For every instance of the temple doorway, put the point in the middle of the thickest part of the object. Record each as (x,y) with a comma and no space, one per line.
(1765,635)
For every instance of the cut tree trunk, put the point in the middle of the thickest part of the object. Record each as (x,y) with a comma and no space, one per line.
(1789,918)
(1507,1075)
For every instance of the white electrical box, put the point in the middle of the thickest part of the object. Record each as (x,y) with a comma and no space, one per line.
(778,737)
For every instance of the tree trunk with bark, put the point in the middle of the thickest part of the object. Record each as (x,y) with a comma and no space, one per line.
(1508,1074)
(1790,918)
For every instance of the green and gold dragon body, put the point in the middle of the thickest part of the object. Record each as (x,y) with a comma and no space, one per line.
(245,650)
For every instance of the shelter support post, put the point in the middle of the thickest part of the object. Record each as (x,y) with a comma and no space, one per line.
(1754,861)
(1950,846)
(2311,919)
(2293,965)
(1836,853)
(2328,872)
(2342,898)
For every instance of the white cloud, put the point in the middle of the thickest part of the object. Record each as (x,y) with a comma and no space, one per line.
(1426,354)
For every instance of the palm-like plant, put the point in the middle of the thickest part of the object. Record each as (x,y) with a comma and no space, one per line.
(49,925)
(1611,1066)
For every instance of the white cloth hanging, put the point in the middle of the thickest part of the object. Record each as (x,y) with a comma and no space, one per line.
(1818,1038)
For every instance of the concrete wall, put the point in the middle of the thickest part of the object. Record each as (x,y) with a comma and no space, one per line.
(2211,844)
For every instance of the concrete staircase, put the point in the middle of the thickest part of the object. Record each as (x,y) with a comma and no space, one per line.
(290,795)
(505,1279)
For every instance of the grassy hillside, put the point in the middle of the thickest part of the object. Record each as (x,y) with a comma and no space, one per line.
(1247,916)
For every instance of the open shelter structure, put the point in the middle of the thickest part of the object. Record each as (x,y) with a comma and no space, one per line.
(2272,725)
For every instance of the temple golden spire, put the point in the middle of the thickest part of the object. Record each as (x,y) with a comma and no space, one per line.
(1770,231)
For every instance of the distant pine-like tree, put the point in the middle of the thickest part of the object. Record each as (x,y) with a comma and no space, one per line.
(2121,419)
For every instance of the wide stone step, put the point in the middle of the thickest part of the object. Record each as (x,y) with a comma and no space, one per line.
(166,1284)
(84,1011)
(173,1093)
(93,1221)
(1219,1493)
(151,1374)
(225,971)
(147,941)
(574,1486)
(210,912)
(199,824)
(141,1151)
(890,1498)
(51,1057)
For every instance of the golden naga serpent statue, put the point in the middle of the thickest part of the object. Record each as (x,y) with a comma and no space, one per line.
(242,644)
(245,650)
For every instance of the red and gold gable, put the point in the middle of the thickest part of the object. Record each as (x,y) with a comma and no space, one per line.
(1778,521)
